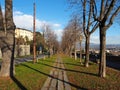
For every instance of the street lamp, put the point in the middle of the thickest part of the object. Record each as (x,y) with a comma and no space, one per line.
(34,34)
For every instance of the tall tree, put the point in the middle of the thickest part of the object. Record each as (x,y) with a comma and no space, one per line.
(80,40)
(40,43)
(7,41)
(76,30)
(71,36)
(50,38)
(109,9)
(67,41)
(89,24)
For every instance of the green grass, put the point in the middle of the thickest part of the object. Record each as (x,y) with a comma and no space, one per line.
(28,76)
(32,76)
(87,78)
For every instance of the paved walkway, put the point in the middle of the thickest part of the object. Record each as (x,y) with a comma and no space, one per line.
(58,79)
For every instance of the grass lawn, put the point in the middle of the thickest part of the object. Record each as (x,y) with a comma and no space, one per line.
(87,78)
(28,76)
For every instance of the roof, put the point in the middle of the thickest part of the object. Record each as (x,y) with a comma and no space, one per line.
(24,29)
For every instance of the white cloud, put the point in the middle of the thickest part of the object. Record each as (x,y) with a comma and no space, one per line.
(109,39)
(58,32)
(23,21)
(56,25)
(26,21)
(113,39)
(94,39)
(18,13)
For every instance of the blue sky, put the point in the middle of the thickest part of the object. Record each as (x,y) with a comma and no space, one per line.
(55,13)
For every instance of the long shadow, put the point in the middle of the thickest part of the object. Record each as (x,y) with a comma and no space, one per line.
(18,83)
(73,85)
(68,69)
(62,63)
(12,68)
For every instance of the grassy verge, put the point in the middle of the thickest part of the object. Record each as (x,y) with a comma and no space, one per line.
(87,78)
(28,76)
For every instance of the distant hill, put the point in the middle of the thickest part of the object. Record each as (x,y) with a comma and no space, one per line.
(113,46)
(96,46)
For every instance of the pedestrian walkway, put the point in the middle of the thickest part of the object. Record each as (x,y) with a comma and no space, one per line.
(58,79)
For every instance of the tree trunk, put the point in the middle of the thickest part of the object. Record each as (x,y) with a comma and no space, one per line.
(81,52)
(75,54)
(69,51)
(8,42)
(7,66)
(102,65)
(87,43)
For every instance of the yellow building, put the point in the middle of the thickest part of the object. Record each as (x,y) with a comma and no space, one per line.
(20,32)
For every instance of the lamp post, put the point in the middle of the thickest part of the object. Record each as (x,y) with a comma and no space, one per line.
(34,34)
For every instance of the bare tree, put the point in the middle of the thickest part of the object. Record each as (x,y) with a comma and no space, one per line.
(7,41)
(71,35)
(67,41)
(109,9)
(40,43)
(76,30)
(81,37)
(50,39)
(19,41)
(89,24)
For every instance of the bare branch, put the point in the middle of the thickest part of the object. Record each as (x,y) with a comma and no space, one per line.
(94,8)
(109,10)
(89,17)
(102,10)
(113,16)
(95,27)
(1,20)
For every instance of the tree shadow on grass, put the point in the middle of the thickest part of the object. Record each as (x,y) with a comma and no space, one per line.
(12,69)
(63,63)
(71,70)
(18,83)
(71,84)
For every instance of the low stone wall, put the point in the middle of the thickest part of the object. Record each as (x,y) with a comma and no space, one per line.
(113,58)
(20,50)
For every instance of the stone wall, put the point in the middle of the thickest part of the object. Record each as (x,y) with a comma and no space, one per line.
(20,50)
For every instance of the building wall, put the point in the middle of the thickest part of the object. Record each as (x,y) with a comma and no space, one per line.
(23,32)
